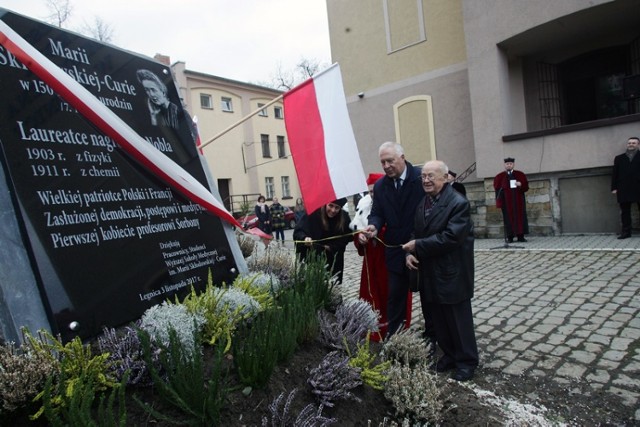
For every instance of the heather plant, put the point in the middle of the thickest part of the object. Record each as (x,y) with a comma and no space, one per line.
(158,320)
(246,243)
(79,407)
(78,366)
(353,320)
(406,347)
(372,374)
(233,300)
(219,322)
(313,278)
(256,348)
(333,379)
(262,287)
(23,374)
(274,261)
(414,393)
(280,411)
(125,355)
(184,386)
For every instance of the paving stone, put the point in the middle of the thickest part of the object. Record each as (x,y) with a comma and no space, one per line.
(571,370)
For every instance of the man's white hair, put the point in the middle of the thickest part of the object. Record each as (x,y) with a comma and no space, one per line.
(393,145)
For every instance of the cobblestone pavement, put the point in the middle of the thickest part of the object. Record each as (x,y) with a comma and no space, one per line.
(566,308)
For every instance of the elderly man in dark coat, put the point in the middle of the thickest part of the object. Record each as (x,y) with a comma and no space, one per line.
(625,183)
(395,198)
(442,253)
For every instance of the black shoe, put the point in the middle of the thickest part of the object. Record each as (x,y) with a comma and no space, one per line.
(463,374)
(510,239)
(521,239)
(444,365)
(624,236)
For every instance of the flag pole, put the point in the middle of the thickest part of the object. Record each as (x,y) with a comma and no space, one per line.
(242,120)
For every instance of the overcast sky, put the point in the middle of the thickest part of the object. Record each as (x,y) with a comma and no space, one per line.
(242,40)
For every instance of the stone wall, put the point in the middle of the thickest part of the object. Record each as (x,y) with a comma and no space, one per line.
(487,218)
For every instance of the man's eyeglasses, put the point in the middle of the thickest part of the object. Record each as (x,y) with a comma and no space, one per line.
(429,177)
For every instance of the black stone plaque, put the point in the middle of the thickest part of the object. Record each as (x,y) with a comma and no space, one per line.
(108,238)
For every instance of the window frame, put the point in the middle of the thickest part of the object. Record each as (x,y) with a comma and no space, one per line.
(282,151)
(269,187)
(264,143)
(263,112)
(209,103)
(226,104)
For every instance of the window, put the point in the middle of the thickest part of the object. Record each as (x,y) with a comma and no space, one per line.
(227,105)
(263,112)
(205,101)
(286,193)
(268,185)
(592,85)
(264,140)
(281,151)
(277,112)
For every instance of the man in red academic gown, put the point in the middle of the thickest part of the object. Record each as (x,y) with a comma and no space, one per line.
(510,187)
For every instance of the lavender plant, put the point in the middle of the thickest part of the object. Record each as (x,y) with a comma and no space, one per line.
(277,262)
(353,320)
(281,415)
(126,356)
(333,379)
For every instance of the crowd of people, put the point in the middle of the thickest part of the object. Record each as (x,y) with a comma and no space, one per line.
(418,238)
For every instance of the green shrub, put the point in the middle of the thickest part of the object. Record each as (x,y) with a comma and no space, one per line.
(79,407)
(372,374)
(78,366)
(184,386)
(313,278)
(256,348)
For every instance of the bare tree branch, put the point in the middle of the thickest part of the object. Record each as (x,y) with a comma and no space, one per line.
(99,30)
(60,11)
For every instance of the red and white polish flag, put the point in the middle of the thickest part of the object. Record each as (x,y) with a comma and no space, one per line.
(111,125)
(321,138)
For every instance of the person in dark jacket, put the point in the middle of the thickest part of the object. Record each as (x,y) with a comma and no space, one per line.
(263,213)
(395,199)
(625,183)
(442,253)
(458,186)
(326,231)
(277,220)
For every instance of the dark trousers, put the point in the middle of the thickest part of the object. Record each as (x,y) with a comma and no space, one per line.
(397,301)
(397,305)
(625,216)
(456,337)
(279,232)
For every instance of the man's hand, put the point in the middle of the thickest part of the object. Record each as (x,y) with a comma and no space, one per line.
(308,241)
(410,246)
(368,233)
(412,262)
